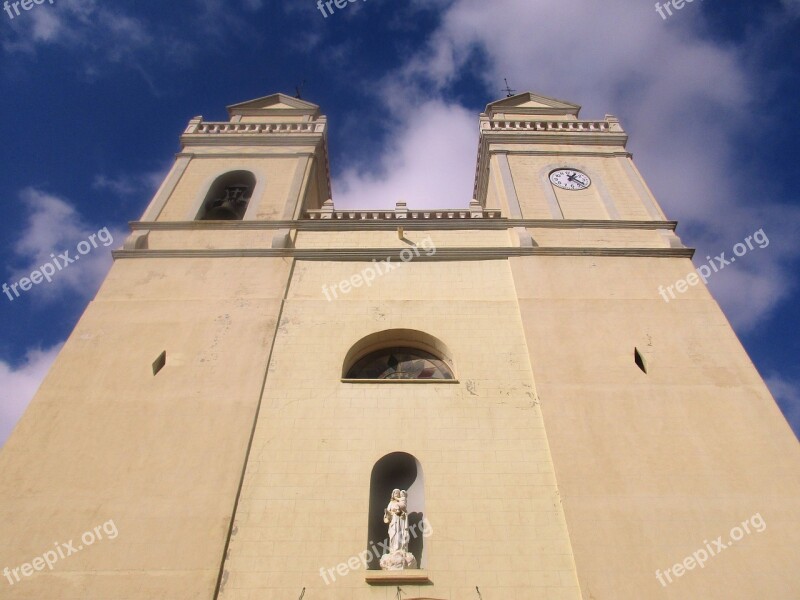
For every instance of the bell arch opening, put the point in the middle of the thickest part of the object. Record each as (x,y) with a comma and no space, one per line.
(396,471)
(228,197)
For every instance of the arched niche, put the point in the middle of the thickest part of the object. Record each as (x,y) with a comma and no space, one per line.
(398,470)
(227,197)
(423,345)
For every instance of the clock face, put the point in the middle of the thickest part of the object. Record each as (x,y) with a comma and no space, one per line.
(570,179)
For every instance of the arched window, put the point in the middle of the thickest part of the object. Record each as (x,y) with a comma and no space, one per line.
(396,471)
(228,197)
(399,354)
(400,363)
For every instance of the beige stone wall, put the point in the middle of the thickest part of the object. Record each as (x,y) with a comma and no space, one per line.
(160,456)
(581,204)
(650,466)
(530,172)
(589,237)
(490,491)
(458,238)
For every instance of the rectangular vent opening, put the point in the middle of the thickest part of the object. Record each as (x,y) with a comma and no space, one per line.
(160,362)
(639,360)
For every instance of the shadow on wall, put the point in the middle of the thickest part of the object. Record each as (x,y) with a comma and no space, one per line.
(397,470)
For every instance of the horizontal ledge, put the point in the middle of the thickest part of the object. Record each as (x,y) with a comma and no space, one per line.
(346,380)
(411,576)
(529,136)
(433,224)
(369,254)
(550,152)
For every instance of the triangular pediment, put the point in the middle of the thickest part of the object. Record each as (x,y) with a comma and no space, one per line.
(274,104)
(528,103)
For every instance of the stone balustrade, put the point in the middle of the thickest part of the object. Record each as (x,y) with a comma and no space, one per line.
(560,126)
(411,215)
(227,128)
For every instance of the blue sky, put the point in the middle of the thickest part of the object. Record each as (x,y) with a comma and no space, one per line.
(96,95)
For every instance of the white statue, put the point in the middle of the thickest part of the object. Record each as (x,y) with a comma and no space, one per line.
(396,516)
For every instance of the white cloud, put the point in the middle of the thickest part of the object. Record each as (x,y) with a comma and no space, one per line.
(20,384)
(792,6)
(421,166)
(82,24)
(46,25)
(54,227)
(129,185)
(682,98)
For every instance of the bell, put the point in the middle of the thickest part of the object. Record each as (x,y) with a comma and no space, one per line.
(231,207)
(222,212)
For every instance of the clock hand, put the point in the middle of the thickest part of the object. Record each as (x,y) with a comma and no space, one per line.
(574,179)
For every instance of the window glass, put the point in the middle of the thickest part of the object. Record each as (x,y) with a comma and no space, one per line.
(400,363)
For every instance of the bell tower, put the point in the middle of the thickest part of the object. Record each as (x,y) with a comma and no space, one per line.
(269,162)
(146,415)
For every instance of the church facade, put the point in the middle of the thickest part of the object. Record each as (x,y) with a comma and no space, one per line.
(273,398)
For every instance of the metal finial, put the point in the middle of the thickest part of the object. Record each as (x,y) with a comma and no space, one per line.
(509,92)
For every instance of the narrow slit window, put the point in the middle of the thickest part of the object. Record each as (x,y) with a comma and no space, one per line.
(639,360)
(160,362)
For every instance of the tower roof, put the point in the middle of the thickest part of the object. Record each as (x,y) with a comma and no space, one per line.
(274,105)
(528,103)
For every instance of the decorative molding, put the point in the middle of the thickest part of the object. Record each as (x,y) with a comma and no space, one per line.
(247,128)
(369,254)
(256,153)
(391,224)
(669,236)
(138,240)
(202,133)
(570,153)
(540,125)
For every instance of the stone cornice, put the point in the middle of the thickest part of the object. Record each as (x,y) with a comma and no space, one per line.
(590,133)
(527,152)
(201,133)
(255,153)
(357,225)
(369,254)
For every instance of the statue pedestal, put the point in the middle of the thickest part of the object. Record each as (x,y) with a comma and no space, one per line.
(398,561)
(409,577)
